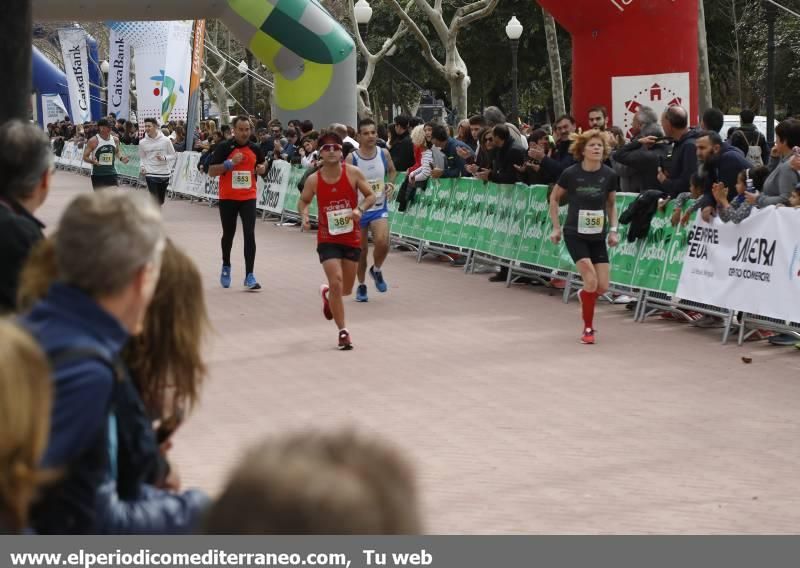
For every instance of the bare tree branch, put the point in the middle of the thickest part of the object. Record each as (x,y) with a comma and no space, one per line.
(435,17)
(423,41)
(472,13)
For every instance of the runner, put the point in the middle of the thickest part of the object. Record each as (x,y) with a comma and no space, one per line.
(101,151)
(589,186)
(337,186)
(376,165)
(237,162)
(155,151)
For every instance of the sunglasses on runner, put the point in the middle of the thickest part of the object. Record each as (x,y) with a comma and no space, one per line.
(330,147)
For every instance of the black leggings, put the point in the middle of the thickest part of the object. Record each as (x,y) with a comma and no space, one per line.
(228,210)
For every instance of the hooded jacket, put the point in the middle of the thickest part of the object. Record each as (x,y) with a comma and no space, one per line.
(683,163)
(505,158)
(724,168)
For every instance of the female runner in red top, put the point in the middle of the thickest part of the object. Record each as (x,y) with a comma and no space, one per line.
(336,186)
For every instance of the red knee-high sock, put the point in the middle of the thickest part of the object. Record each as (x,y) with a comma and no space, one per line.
(588,300)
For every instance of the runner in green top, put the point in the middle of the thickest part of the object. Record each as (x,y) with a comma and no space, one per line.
(102,151)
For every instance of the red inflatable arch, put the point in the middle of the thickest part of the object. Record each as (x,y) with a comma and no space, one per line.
(627,53)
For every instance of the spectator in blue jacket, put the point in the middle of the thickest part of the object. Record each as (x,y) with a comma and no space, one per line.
(108,255)
(454,164)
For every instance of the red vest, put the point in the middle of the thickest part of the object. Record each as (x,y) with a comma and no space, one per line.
(239,184)
(334,201)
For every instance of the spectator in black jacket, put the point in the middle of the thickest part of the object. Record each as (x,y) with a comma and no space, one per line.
(561,158)
(27,165)
(507,157)
(678,168)
(641,162)
(454,164)
(532,172)
(402,149)
(721,162)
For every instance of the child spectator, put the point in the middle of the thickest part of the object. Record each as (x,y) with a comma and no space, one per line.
(739,209)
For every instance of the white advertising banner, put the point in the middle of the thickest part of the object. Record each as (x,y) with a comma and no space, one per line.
(752,267)
(119,75)
(630,93)
(76,66)
(272,193)
(177,72)
(53,109)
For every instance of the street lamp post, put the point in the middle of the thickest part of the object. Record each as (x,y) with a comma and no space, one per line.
(104,69)
(392,51)
(363,13)
(771,14)
(243,68)
(514,32)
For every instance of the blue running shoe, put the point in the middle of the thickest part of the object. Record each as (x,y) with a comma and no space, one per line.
(251,283)
(361,293)
(380,283)
(225,277)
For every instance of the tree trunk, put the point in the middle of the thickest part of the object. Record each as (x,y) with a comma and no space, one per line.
(364,106)
(556,79)
(457,77)
(704,73)
(16,29)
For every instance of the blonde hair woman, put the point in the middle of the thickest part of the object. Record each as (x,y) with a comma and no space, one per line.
(591,189)
(25,399)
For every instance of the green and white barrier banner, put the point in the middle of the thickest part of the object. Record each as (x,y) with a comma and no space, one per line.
(133,168)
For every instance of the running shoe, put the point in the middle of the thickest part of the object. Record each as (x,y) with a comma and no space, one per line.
(783,339)
(251,283)
(344,340)
(588,336)
(380,283)
(326,307)
(225,276)
(361,293)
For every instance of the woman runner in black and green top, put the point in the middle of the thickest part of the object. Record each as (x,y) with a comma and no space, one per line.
(590,187)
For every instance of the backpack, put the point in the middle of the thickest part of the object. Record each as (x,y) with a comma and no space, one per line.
(752,150)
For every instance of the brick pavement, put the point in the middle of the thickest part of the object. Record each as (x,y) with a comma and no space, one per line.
(514,426)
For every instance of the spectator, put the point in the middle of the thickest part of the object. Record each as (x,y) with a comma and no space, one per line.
(674,179)
(465,134)
(344,133)
(308,147)
(494,116)
(721,163)
(712,120)
(598,118)
(476,124)
(313,483)
(506,158)
(25,399)
(635,164)
(454,163)
(616,137)
(531,172)
(290,150)
(748,139)
(560,158)
(306,127)
(483,160)
(732,206)
(782,180)
(402,149)
(697,185)
(419,175)
(26,163)
(383,136)
(164,364)
(108,254)
(180,139)
(227,133)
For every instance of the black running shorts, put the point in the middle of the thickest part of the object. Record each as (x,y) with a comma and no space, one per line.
(99,182)
(328,251)
(594,250)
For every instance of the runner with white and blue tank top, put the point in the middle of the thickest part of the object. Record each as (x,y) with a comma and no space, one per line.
(102,152)
(376,165)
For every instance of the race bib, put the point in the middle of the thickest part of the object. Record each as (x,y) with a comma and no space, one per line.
(106,159)
(340,222)
(241,180)
(591,222)
(379,190)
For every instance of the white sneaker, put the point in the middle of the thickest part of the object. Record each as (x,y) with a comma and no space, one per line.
(623,299)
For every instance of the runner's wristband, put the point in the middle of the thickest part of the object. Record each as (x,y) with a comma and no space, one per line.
(614,230)
(228,165)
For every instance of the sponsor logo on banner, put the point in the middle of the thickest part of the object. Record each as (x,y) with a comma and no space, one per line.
(119,76)
(630,93)
(273,194)
(744,266)
(76,66)
(53,109)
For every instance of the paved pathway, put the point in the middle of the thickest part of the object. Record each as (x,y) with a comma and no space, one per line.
(514,426)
